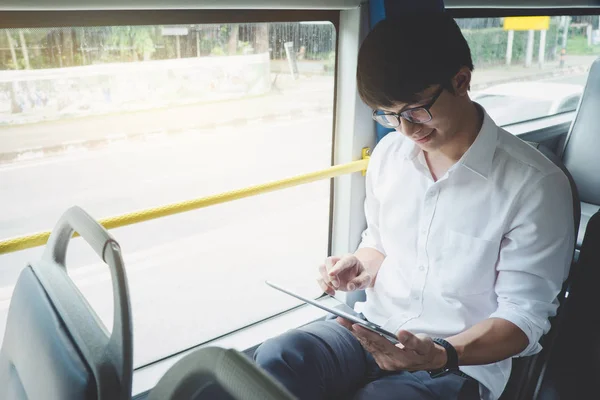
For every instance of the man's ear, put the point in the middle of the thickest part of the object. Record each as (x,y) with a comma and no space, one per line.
(462,81)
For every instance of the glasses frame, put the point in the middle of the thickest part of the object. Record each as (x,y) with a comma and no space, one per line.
(403,114)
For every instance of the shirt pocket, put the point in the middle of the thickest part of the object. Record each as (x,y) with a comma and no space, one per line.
(467,264)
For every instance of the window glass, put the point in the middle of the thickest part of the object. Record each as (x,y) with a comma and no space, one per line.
(530,67)
(118,119)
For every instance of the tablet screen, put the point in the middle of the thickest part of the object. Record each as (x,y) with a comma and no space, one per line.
(369,325)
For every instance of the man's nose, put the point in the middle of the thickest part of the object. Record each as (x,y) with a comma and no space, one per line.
(408,128)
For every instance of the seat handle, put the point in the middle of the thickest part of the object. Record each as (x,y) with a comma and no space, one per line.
(75,219)
(231,370)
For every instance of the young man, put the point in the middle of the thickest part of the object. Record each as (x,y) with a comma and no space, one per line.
(469,238)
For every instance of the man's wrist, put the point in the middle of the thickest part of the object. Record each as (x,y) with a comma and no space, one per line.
(451,358)
(459,349)
(440,358)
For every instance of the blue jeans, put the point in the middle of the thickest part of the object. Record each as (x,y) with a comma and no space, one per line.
(323,360)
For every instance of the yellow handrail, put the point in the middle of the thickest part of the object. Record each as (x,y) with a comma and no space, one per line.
(40,238)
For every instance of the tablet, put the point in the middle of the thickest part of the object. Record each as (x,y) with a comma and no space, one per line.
(366,324)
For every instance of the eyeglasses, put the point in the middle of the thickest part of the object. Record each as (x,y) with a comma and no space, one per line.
(416,115)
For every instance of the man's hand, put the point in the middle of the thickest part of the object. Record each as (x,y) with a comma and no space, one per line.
(346,274)
(414,353)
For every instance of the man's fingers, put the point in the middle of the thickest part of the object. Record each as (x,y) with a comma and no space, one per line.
(360,282)
(340,273)
(333,283)
(391,357)
(324,275)
(420,345)
(365,342)
(344,322)
(383,351)
(342,265)
(374,340)
(325,287)
(330,262)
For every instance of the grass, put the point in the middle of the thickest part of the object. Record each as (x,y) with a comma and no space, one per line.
(578,46)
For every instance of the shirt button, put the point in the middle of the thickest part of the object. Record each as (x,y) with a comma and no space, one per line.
(421,268)
(416,297)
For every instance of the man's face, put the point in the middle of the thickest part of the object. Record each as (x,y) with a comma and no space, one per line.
(435,133)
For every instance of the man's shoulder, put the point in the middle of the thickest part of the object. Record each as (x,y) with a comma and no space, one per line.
(393,142)
(514,155)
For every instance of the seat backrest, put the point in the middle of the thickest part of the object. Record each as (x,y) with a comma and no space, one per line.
(581,153)
(575,362)
(55,346)
(580,156)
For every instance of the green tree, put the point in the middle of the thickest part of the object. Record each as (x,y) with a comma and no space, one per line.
(13,52)
(135,40)
(142,42)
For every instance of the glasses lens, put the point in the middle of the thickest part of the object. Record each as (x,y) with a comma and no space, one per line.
(389,121)
(417,115)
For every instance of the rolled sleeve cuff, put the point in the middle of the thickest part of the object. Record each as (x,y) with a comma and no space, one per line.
(533,333)
(366,244)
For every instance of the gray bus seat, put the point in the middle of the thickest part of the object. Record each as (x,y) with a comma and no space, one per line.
(192,378)
(581,153)
(55,346)
(574,364)
(580,156)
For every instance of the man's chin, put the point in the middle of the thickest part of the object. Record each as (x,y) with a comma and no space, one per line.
(429,145)
(426,139)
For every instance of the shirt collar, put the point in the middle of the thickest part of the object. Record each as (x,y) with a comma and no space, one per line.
(410,149)
(478,158)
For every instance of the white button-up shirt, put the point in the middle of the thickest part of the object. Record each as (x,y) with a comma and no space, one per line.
(492,238)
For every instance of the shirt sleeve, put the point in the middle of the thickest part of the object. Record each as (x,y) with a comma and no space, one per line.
(535,257)
(371,237)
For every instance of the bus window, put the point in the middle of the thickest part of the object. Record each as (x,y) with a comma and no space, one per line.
(522,75)
(121,118)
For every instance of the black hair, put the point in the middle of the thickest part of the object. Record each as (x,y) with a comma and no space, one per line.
(405,55)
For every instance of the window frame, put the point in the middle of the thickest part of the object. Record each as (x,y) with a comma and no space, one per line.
(67,19)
